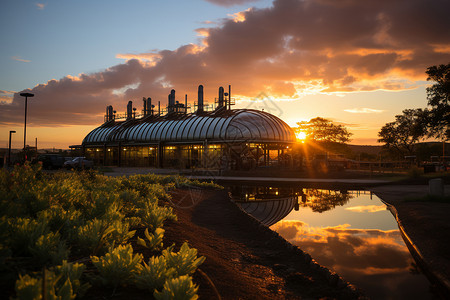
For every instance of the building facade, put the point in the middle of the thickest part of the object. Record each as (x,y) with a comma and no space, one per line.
(218,138)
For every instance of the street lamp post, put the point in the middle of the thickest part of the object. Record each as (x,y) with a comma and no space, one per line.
(9,148)
(26,95)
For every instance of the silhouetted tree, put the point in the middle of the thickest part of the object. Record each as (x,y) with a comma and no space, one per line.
(323,130)
(407,129)
(438,96)
(323,200)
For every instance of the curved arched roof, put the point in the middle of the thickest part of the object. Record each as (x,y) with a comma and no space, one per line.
(269,212)
(231,125)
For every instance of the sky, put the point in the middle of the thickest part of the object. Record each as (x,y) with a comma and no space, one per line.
(356,62)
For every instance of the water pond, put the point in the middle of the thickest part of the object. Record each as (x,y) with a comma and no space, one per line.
(350,232)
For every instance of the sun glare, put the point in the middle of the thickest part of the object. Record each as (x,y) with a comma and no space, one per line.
(301,136)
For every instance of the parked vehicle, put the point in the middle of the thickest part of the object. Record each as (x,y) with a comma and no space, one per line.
(79,163)
(51,161)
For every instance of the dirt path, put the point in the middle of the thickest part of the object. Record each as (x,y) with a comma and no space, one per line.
(246,260)
(426,228)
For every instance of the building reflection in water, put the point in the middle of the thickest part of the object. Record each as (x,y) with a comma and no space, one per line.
(266,204)
(349,233)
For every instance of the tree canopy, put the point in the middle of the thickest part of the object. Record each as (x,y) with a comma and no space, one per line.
(438,96)
(323,130)
(407,129)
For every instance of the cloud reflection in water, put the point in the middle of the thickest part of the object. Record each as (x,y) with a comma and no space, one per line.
(369,258)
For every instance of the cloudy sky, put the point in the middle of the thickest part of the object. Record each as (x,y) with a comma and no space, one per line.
(358,62)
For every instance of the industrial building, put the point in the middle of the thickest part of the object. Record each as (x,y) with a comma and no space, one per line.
(212,136)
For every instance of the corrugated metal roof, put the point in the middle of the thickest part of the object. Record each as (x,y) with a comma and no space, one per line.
(269,212)
(230,125)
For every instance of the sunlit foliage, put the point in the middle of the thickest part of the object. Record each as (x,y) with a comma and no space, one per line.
(47,220)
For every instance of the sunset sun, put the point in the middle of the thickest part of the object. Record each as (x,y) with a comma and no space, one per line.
(301,136)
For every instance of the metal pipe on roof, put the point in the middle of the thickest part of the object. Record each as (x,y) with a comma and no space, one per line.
(149,105)
(221,91)
(145,106)
(229,96)
(200,98)
(130,109)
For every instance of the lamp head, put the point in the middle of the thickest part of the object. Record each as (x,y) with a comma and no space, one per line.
(26,94)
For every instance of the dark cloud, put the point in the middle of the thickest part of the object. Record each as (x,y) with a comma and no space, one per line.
(347,45)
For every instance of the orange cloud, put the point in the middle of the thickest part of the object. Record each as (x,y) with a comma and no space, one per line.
(6,97)
(367,208)
(20,59)
(368,251)
(364,110)
(291,49)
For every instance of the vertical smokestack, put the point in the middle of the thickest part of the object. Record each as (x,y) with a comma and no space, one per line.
(200,98)
(171,101)
(109,113)
(145,106)
(159,108)
(172,97)
(149,106)
(185,103)
(229,96)
(221,96)
(130,109)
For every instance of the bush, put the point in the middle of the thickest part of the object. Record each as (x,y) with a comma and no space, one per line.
(62,282)
(185,261)
(180,288)
(118,266)
(154,240)
(46,219)
(154,274)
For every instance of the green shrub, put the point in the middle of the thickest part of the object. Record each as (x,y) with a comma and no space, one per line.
(154,240)
(180,288)
(185,261)
(49,249)
(73,272)
(153,216)
(154,274)
(24,233)
(45,218)
(118,266)
(94,237)
(61,283)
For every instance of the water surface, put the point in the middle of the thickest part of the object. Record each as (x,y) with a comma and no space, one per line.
(350,232)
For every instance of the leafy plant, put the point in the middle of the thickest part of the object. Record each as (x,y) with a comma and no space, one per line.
(73,272)
(95,236)
(180,288)
(49,249)
(118,266)
(185,261)
(60,283)
(154,274)
(24,233)
(153,216)
(154,240)
(46,218)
